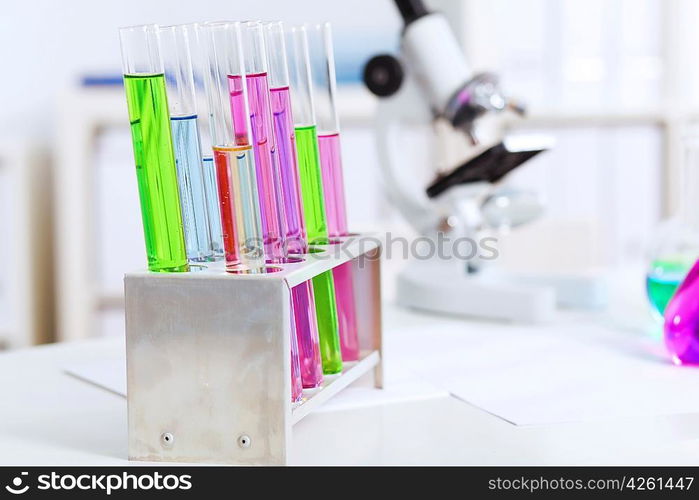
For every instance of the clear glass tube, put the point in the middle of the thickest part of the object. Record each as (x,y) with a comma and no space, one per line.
(231,140)
(199,68)
(325,94)
(299,64)
(312,194)
(266,158)
(146,96)
(179,78)
(322,55)
(285,139)
(302,104)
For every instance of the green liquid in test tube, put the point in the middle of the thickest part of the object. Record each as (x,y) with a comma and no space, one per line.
(316,227)
(156,172)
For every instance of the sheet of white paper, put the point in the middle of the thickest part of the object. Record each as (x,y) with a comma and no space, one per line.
(400,385)
(576,369)
(108,374)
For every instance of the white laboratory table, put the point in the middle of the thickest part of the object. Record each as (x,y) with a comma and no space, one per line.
(51,418)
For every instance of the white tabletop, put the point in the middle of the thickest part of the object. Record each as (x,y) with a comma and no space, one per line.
(49,417)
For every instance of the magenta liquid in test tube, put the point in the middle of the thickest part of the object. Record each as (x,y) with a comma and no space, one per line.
(232,143)
(324,80)
(329,147)
(295,239)
(266,161)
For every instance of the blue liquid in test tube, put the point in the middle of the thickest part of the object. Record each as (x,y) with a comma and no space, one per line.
(182,104)
(190,177)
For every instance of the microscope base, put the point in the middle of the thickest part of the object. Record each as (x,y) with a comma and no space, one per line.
(484,295)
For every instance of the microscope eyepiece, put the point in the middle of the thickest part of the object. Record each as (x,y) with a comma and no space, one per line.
(383,75)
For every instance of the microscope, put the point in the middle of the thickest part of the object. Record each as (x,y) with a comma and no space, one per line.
(460,212)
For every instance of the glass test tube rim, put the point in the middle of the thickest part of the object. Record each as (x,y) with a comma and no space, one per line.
(134,27)
(177,44)
(183,30)
(254,48)
(149,30)
(324,56)
(254,42)
(278,69)
(207,31)
(306,79)
(222,49)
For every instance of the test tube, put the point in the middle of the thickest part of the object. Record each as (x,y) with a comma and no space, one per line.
(210,183)
(325,91)
(285,140)
(231,141)
(231,138)
(146,97)
(266,160)
(312,194)
(179,79)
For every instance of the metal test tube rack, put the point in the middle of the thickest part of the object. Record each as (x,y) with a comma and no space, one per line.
(208,363)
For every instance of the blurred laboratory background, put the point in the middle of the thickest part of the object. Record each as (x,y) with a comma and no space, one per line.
(614,82)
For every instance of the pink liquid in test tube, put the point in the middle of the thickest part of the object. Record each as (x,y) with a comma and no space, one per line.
(296,383)
(333,184)
(334,193)
(286,153)
(271,210)
(302,295)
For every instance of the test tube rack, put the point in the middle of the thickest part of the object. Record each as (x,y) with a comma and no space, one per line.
(208,357)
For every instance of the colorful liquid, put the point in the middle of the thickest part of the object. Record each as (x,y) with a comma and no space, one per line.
(286,153)
(296,383)
(682,320)
(333,184)
(314,215)
(334,191)
(662,281)
(156,172)
(660,291)
(328,328)
(311,185)
(346,311)
(211,188)
(190,177)
(267,167)
(307,334)
(240,213)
